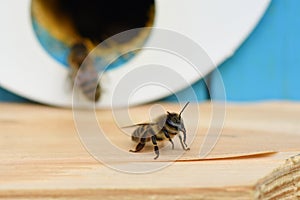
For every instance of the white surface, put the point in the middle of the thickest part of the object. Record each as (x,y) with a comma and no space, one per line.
(218,26)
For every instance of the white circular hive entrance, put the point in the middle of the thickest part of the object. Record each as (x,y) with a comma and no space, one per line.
(218,26)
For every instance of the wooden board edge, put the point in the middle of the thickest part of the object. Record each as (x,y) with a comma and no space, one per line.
(282,183)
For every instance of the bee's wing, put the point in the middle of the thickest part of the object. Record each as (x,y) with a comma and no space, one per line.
(140,124)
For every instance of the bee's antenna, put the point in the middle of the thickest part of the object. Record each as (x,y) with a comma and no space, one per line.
(183,108)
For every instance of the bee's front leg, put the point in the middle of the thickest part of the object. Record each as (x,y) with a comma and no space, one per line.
(183,144)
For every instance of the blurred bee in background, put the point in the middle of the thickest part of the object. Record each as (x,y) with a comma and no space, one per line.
(87,76)
(165,127)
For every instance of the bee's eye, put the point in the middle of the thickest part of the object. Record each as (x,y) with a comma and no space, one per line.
(175,119)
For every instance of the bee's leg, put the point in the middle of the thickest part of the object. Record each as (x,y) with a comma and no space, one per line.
(168,136)
(153,138)
(184,134)
(140,145)
(183,144)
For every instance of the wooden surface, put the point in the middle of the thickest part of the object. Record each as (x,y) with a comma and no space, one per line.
(42,156)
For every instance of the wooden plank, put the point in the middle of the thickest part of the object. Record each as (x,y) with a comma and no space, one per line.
(42,156)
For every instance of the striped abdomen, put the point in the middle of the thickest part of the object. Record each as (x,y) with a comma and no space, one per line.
(142,132)
(83,72)
(87,81)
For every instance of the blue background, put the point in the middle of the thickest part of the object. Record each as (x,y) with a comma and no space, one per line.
(265,67)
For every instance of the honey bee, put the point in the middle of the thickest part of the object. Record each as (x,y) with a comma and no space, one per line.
(165,127)
(87,76)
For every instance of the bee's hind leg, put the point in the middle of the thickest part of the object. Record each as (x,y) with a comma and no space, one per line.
(139,146)
(156,150)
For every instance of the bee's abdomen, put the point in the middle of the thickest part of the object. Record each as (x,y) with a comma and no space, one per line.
(88,82)
(139,133)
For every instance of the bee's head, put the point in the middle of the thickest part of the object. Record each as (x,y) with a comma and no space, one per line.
(174,117)
(174,120)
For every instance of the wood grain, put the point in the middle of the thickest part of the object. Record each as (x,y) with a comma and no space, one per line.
(42,156)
